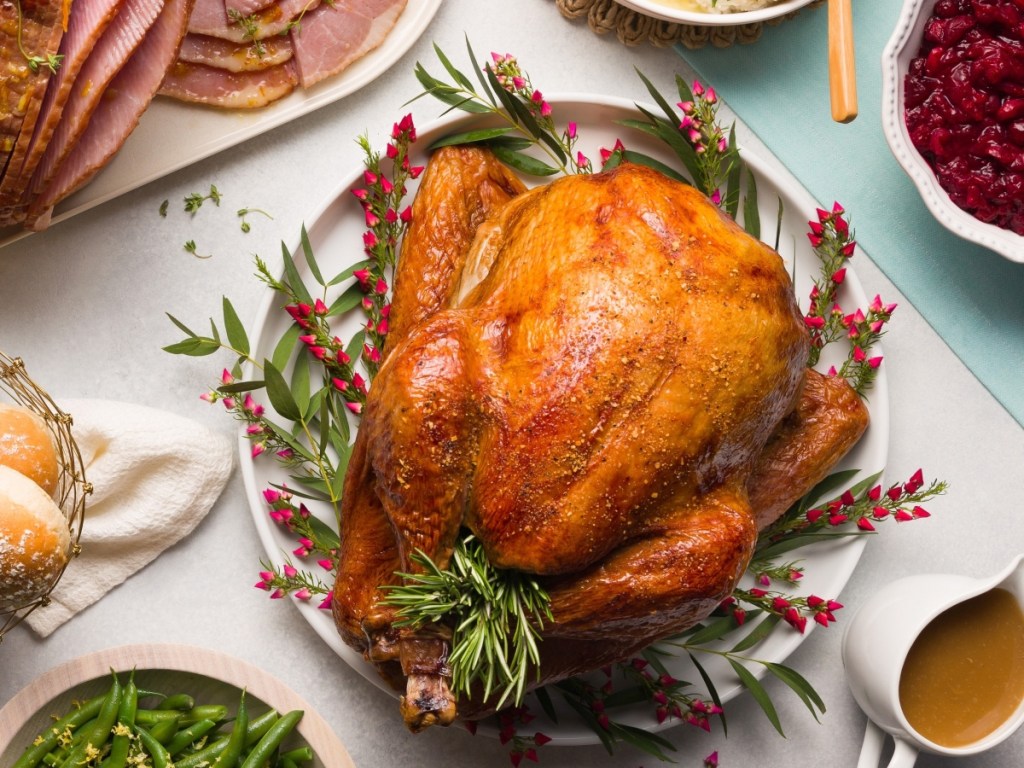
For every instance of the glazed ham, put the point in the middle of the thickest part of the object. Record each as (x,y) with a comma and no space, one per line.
(84,29)
(224,41)
(245,89)
(333,36)
(125,99)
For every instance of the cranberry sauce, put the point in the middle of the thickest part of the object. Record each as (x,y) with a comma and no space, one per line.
(964,95)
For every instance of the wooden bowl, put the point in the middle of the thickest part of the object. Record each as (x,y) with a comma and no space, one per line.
(211,677)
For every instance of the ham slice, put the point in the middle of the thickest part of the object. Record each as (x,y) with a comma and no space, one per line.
(200,84)
(85,26)
(22,89)
(333,36)
(234,57)
(125,99)
(211,18)
(245,8)
(120,40)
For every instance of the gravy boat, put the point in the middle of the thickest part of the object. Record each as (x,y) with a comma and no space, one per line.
(875,647)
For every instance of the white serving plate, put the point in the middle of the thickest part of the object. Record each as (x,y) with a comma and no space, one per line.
(173,134)
(211,677)
(667,12)
(335,232)
(901,48)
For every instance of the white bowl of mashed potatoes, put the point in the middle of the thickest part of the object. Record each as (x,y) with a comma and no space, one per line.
(715,13)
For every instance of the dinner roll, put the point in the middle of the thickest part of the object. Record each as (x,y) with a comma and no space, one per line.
(26,444)
(34,540)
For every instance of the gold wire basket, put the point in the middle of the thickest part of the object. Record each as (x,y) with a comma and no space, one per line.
(72,488)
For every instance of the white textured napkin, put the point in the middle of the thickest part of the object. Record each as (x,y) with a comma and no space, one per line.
(154,474)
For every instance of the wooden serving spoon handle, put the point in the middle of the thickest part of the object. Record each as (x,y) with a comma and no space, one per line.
(842,75)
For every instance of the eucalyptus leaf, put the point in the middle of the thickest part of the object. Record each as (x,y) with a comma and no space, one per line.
(348,271)
(348,300)
(759,694)
(456,75)
(712,630)
(523,162)
(709,685)
(751,213)
(758,631)
(799,685)
(478,71)
(181,326)
(670,114)
(240,386)
(472,137)
(307,252)
(300,386)
(280,393)
(237,336)
(194,347)
(293,278)
(285,347)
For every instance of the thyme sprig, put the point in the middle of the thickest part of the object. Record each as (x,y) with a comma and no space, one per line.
(51,61)
(496,617)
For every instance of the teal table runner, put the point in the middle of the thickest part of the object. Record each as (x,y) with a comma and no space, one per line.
(778,86)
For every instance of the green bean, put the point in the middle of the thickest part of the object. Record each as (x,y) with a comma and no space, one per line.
(119,745)
(179,701)
(298,755)
(216,712)
(233,751)
(164,730)
(99,733)
(189,735)
(259,726)
(47,740)
(272,739)
(156,750)
(286,762)
(205,756)
(150,717)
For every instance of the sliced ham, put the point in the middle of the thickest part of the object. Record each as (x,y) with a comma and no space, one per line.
(200,84)
(120,40)
(244,8)
(85,26)
(22,89)
(125,99)
(333,36)
(234,57)
(211,18)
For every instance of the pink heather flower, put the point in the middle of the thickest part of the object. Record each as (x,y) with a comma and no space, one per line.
(710,96)
(300,551)
(849,248)
(711,761)
(370,240)
(415,171)
(381,287)
(391,151)
(838,276)
(307,339)
(209,397)
(360,193)
(920,512)
(289,571)
(320,308)
(391,216)
(406,214)
(814,322)
(229,403)
(902,516)
(339,384)
(915,482)
(698,89)
(371,218)
(226,377)
(325,604)
(685,106)
(879,513)
(356,408)
(285,453)
(815,239)
(687,122)
(875,493)
(813,515)
(722,145)
(716,197)
(272,495)
(370,177)
(865,525)
(325,564)
(266,576)
(303,594)
(386,186)
(318,352)
(277,594)
(371,353)
(847,499)
(545,109)
(359,382)
(740,616)
(874,362)
(581,159)
(254,429)
(570,130)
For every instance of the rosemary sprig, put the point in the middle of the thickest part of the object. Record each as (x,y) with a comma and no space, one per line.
(496,617)
(51,61)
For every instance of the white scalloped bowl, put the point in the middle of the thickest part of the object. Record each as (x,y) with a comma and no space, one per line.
(660,10)
(901,48)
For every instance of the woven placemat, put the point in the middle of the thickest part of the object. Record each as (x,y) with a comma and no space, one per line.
(634,28)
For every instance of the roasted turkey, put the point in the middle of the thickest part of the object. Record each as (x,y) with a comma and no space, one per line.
(595,377)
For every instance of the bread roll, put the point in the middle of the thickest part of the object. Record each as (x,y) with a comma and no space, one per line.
(34,540)
(26,444)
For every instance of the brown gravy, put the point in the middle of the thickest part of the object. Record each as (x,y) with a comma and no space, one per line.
(964,675)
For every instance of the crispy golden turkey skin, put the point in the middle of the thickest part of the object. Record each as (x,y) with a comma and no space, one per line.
(585,375)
